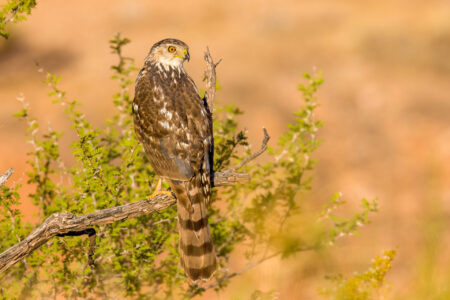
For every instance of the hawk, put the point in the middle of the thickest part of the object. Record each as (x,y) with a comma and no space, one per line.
(174,125)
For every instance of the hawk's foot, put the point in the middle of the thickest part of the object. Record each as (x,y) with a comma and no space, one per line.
(158,191)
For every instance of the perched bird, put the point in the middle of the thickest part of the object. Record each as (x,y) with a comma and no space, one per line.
(174,125)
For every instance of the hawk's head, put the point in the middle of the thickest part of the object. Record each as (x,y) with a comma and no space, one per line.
(169,52)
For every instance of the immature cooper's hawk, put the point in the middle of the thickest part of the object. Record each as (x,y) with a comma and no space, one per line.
(174,125)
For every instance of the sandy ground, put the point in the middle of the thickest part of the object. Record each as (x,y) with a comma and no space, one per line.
(385,104)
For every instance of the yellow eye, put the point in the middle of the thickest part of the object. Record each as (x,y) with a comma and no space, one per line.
(171,49)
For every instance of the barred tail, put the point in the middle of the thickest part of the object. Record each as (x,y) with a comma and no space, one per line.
(197,254)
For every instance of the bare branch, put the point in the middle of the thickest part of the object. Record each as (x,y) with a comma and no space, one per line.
(210,78)
(228,177)
(60,224)
(68,224)
(256,154)
(11,15)
(4,177)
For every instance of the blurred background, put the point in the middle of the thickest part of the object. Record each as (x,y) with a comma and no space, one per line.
(385,104)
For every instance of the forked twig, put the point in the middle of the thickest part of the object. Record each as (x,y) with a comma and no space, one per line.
(256,154)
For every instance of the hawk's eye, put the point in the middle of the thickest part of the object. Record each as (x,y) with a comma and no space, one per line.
(171,49)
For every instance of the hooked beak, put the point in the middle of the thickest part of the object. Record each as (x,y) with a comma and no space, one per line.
(186,55)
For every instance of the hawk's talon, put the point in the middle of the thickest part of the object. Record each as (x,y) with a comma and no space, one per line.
(158,191)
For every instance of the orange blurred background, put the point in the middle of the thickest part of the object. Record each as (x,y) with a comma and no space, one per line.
(385,104)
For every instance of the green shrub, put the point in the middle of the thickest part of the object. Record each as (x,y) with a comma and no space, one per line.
(138,258)
(363,286)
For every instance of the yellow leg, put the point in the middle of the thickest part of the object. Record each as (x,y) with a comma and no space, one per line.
(158,190)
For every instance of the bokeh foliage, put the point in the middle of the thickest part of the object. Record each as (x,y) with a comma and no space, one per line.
(14,11)
(364,286)
(138,258)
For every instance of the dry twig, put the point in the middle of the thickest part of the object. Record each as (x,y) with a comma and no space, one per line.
(4,177)
(210,78)
(11,16)
(256,154)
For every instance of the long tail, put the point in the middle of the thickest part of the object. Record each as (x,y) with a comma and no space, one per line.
(197,254)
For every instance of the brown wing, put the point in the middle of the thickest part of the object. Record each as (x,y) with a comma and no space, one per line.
(172,123)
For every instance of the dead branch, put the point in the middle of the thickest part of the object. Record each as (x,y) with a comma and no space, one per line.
(229,177)
(68,224)
(210,78)
(64,223)
(4,177)
(11,15)
(256,154)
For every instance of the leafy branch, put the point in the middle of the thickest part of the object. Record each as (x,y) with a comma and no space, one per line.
(14,11)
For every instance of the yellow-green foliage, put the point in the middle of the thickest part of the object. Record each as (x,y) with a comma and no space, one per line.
(363,286)
(138,258)
(14,11)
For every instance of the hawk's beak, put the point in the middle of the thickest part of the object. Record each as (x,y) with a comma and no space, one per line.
(186,55)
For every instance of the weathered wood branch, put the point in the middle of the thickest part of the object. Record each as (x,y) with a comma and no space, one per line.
(229,177)
(210,78)
(11,15)
(68,224)
(256,154)
(64,223)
